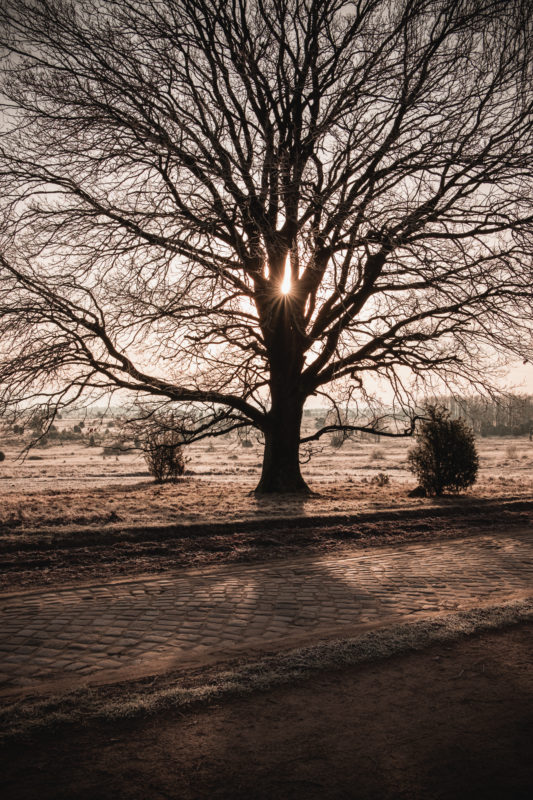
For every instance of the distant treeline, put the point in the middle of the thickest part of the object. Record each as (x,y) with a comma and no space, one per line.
(509,416)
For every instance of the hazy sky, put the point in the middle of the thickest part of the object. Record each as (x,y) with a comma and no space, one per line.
(522,376)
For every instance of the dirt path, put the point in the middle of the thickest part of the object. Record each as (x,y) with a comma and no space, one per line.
(449,723)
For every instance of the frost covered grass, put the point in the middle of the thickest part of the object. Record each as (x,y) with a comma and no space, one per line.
(74,485)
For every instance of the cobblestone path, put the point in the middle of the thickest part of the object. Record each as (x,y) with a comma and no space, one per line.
(129,628)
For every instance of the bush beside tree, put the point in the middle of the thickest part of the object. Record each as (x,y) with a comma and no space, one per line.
(445,457)
(163,454)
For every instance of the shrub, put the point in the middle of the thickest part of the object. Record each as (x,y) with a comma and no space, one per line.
(2,456)
(511,452)
(377,454)
(114,449)
(163,454)
(66,435)
(445,456)
(381,479)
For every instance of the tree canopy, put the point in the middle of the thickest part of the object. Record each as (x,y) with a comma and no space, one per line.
(233,206)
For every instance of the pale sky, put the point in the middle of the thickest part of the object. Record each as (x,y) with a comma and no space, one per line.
(521,378)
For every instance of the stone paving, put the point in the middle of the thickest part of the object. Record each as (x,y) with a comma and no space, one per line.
(129,628)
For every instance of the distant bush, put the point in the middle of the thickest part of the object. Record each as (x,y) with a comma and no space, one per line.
(115,449)
(18,430)
(163,454)
(377,454)
(511,452)
(445,457)
(337,440)
(67,436)
(381,479)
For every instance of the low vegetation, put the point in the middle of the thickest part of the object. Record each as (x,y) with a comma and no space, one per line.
(163,454)
(445,457)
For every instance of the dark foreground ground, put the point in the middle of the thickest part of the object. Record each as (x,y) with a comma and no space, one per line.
(453,721)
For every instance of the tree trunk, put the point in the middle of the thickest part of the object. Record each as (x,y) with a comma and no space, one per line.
(281,463)
(281,324)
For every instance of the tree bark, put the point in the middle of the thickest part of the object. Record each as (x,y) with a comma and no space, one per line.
(281,461)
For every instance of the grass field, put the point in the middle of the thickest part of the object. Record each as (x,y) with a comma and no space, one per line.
(73,484)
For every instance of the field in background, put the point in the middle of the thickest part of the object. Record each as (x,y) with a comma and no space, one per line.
(75,484)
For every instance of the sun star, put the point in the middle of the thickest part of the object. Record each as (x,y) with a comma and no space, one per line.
(286,282)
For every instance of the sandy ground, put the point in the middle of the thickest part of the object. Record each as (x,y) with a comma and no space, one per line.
(451,722)
(77,485)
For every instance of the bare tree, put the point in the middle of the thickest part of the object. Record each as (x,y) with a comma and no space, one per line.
(232,206)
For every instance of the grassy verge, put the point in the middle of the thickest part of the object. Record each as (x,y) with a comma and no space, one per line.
(45,538)
(175,691)
(31,560)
